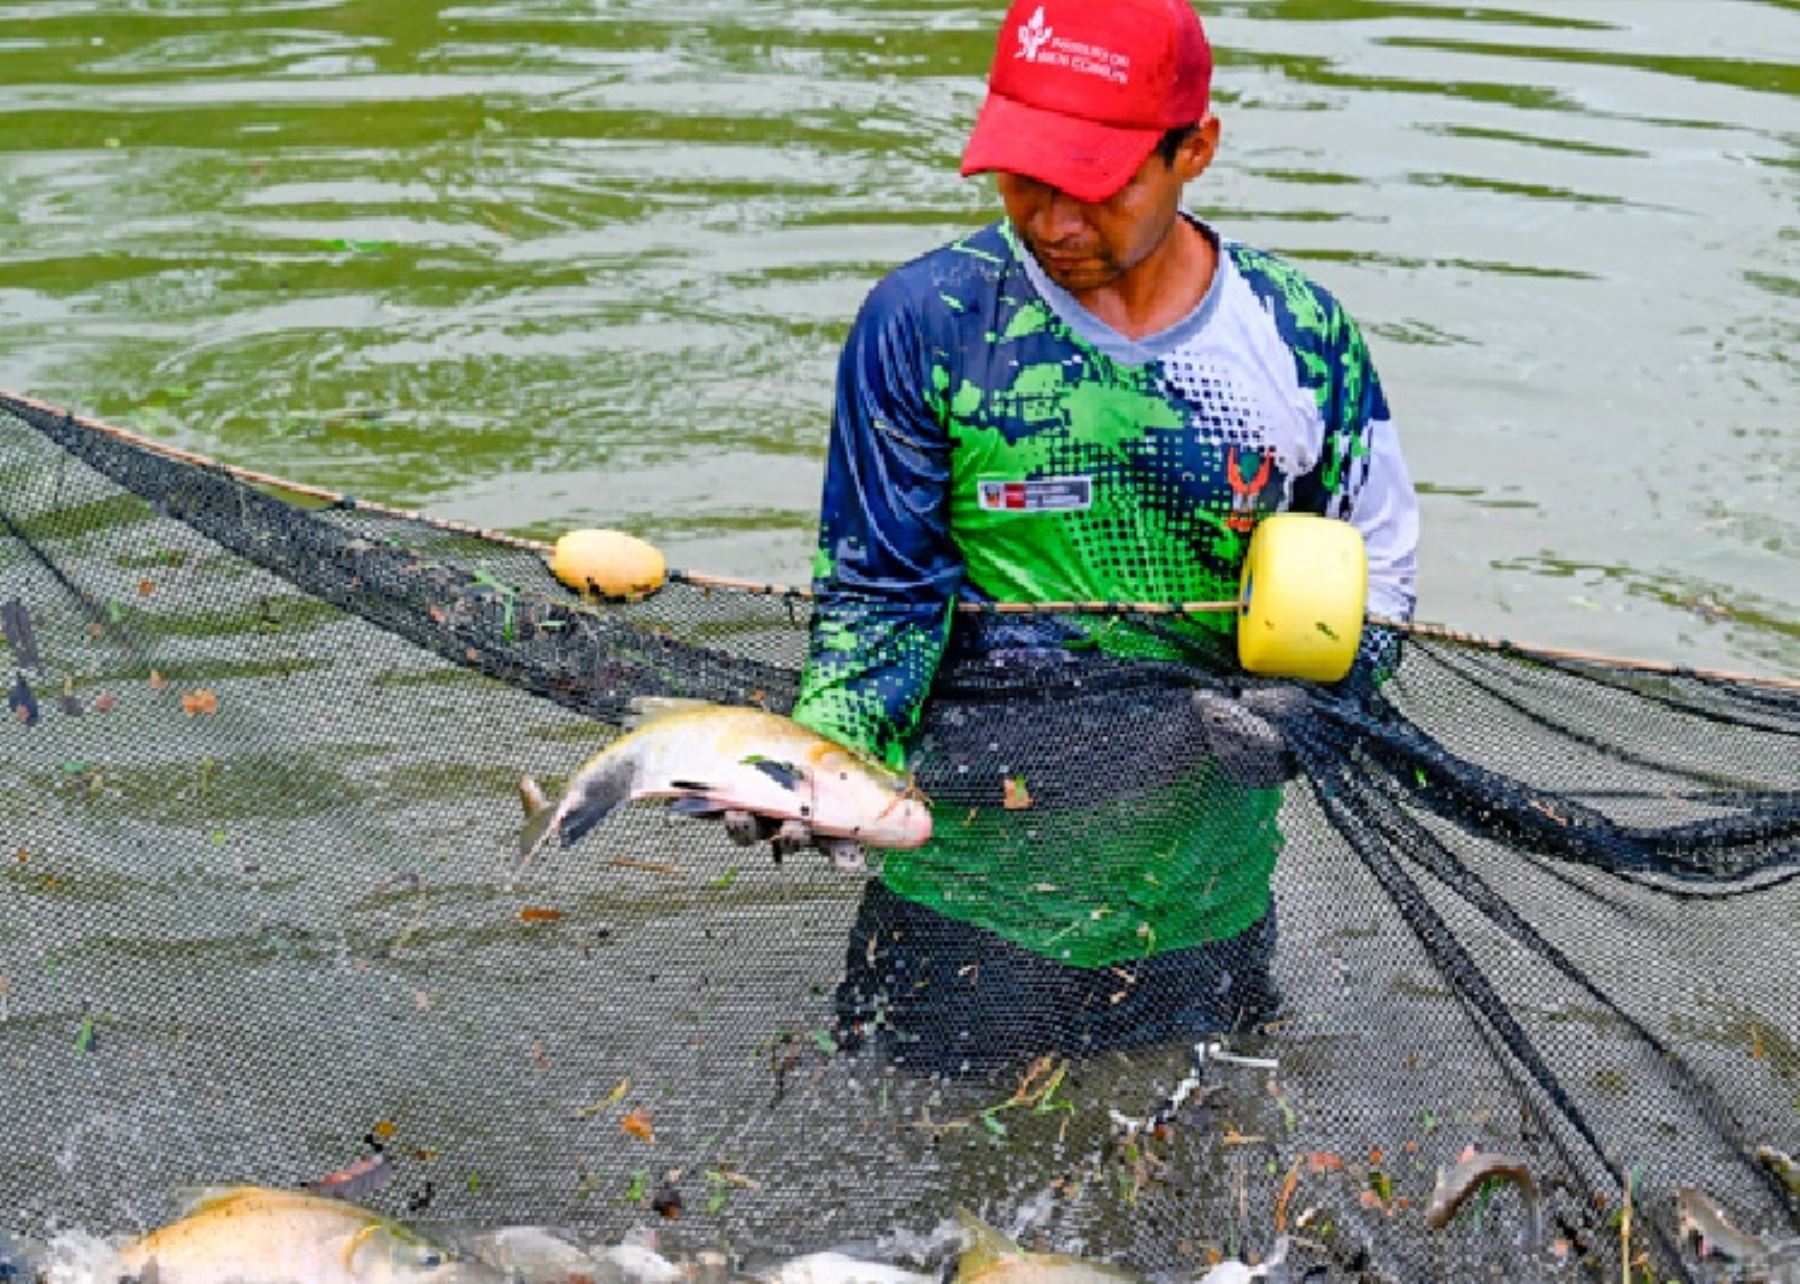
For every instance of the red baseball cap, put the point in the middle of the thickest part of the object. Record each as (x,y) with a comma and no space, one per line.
(1081,90)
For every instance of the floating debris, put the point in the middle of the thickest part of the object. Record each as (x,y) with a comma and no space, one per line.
(1700,1218)
(15,624)
(1471,1173)
(23,703)
(354,1181)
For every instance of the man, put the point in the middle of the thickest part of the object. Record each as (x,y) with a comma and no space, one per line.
(1093,399)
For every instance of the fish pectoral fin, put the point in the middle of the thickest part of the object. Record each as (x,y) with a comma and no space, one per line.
(699,808)
(647,709)
(986,1245)
(345,1247)
(785,774)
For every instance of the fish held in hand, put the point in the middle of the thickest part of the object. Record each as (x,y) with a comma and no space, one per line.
(250,1233)
(712,759)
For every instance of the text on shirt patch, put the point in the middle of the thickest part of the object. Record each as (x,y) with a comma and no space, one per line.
(1041,495)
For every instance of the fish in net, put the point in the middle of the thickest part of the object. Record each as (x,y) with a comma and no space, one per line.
(258,781)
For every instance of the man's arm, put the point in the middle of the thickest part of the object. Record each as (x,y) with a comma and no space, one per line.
(886,572)
(1373,490)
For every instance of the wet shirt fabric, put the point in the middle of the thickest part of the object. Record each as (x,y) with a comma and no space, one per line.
(993,441)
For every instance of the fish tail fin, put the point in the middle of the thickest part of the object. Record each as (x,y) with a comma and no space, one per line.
(986,1245)
(588,801)
(531,797)
(534,835)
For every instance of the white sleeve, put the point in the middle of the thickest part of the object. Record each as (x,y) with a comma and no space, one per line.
(1386,511)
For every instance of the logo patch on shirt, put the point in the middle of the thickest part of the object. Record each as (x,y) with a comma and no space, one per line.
(1041,495)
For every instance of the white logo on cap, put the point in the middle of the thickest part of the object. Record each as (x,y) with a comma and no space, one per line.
(1039,43)
(1032,36)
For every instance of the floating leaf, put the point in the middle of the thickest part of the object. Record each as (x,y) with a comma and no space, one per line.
(637,1124)
(992,1123)
(532,914)
(637,1187)
(1016,796)
(725,880)
(157,681)
(825,1043)
(84,1037)
(199,702)
(610,1099)
(1383,1187)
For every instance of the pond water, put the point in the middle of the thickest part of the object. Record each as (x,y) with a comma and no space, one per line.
(546,263)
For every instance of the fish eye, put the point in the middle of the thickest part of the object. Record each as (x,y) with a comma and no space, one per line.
(431,1257)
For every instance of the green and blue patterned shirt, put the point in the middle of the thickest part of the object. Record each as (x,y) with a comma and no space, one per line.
(993,440)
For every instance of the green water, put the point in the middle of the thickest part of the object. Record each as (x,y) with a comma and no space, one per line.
(577,262)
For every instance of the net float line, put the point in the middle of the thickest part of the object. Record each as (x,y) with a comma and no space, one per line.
(703,580)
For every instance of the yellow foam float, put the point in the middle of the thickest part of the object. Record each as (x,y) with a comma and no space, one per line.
(1302,597)
(610,563)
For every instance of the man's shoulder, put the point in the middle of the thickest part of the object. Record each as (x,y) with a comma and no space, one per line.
(950,278)
(1305,313)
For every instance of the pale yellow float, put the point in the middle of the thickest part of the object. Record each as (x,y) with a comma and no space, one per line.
(610,563)
(1301,600)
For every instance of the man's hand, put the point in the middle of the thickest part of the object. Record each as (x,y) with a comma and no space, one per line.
(784,836)
(1243,733)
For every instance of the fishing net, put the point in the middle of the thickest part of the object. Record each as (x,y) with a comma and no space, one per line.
(258,806)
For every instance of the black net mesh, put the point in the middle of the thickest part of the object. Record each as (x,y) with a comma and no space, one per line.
(258,799)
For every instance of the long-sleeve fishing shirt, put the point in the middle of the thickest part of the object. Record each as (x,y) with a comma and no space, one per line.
(993,440)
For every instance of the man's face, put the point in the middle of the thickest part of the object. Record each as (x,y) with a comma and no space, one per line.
(1083,245)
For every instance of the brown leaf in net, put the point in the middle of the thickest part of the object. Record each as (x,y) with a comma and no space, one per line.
(637,1124)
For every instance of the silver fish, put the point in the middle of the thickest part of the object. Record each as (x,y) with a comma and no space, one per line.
(712,759)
